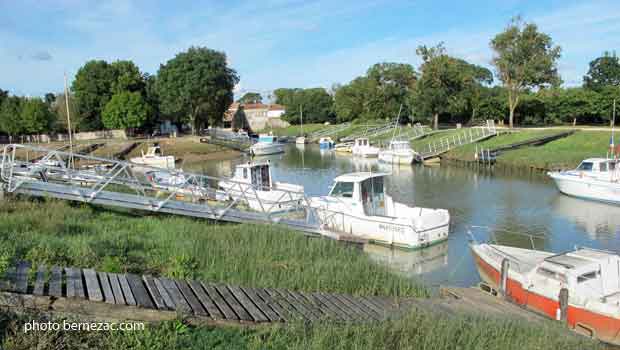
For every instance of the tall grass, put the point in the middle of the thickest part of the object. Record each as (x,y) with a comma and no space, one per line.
(419,331)
(56,232)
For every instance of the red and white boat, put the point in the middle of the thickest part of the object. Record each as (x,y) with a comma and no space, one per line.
(534,279)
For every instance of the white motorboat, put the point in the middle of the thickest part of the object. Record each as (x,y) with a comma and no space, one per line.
(345,147)
(357,205)
(253,184)
(267,144)
(179,183)
(362,148)
(398,152)
(581,287)
(326,143)
(595,179)
(301,140)
(154,158)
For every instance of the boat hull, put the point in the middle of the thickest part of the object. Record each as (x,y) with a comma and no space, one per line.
(166,162)
(587,188)
(578,318)
(263,150)
(392,158)
(326,145)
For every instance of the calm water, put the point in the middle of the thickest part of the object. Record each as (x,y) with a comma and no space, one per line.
(486,203)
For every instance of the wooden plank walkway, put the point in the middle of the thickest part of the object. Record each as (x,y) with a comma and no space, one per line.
(79,290)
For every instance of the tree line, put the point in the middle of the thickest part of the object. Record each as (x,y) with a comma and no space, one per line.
(195,88)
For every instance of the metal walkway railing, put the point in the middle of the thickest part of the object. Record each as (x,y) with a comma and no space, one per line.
(466,136)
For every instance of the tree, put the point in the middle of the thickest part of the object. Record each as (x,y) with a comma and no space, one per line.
(35,116)
(524,58)
(444,79)
(392,84)
(127,77)
(3,95)
(126,110)
(240,120)
(604,71)
(315,102)
(92,89)
(605,101)
(351,100)
(59,107)
(198,85)
(49,99)
(10,116)
(251,97)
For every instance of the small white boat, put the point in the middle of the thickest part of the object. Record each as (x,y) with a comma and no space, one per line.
(267,144)
(301,140)
(357,205)
(326,143)
(362,148)
(594,179)
(534,279)
(253,184)
(176,182)
(154,158)
(344,147)
(398,152)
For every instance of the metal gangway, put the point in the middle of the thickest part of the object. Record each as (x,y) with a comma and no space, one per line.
(63,175)
(371,131)
(328,131)
(460,138)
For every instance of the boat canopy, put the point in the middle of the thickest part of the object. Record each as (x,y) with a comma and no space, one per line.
(590,272)
(365,188)
(267,138)
(399,145)
(257,174)
(362,142)
(597,165)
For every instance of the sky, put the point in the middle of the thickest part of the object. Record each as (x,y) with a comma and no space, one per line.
(277,43)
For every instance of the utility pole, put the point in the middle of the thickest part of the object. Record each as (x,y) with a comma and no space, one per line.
(69,123)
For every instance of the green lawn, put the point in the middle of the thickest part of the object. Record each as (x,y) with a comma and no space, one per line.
(295,130)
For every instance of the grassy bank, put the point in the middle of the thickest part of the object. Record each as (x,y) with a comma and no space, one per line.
(295,130)
(419,331)
(55,232)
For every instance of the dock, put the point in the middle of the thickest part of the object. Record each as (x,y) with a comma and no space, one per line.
(466,136)
(86,294)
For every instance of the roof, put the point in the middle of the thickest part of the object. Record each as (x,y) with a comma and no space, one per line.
(250,106)
(581,260)
(596,160)
(252,164)
(358,177)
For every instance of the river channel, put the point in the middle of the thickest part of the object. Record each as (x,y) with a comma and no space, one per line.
(483,204)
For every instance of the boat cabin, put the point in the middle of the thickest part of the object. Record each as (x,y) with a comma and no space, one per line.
(362,142)
(597,165)
(363,188)
(256,174)
(267,138)
(586,272)
(399,146)
(153,151)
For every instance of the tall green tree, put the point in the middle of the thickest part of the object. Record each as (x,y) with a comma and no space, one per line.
(524,58)
(442,85)
(92,89)
(251,97)
(197,85)
(351,101)
(49,99)
(35,116)
(603,71)
(60,110)
(126,110)
(10,116)
(127,77)
(315,103)
(392,84)
(3,95)
(605,101)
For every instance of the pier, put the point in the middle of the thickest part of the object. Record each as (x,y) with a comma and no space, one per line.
(464,137)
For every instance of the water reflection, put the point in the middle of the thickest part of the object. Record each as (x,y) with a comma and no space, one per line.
(506,203)
(410,263)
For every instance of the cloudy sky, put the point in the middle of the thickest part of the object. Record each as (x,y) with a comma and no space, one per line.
(277,43)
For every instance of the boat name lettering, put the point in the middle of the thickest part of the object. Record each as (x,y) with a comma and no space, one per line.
(390,228)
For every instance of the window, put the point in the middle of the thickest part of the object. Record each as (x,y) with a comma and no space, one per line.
(587,276)
(342,189)
(602,167)
(551,274)
(612,166)
(245,173)
(586,166)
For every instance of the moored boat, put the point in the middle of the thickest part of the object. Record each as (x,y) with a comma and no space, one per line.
(581,287)
(362,148)
(326,143)
(253,184)
(358,205)
(594,179)
(398,152)
(154,158)
(267,144)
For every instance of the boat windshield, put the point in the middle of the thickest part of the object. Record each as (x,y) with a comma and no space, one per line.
(372,196)
(400,146)
(342,189)
(585,166)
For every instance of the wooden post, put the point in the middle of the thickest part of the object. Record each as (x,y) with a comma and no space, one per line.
(563,297)
(503,283)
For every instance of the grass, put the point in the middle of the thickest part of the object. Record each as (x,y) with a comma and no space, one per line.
(295,130)
(565,153)
(420,331)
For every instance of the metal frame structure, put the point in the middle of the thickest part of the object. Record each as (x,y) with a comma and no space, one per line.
(471,135)
(124,184)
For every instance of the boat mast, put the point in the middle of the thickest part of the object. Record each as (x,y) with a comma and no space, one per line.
(396,123)
(69,123)
(613,126)
(301,116)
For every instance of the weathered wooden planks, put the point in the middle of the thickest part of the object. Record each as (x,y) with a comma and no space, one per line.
(205,300)
(141,295)
(117,291)
(75,287)
(221,304)
(191,299)
(175,294)
(21,277)
(56,282)
(261,305)
(233,303)
(248,305)
(108,295)
(159,301)
(129,299)
(164,294)
(92,285)
(39,282)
